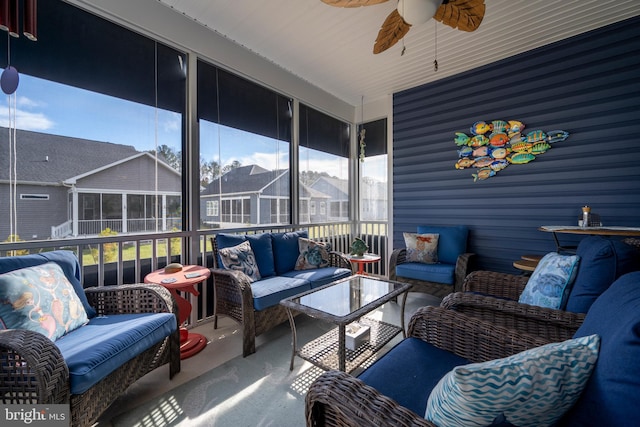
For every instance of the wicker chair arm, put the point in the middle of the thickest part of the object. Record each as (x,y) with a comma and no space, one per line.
(462,270)
(33,369)
(471,338)
(502,285)
(339,399)
(398,256)
(337,259)
(551,324)
(133,298)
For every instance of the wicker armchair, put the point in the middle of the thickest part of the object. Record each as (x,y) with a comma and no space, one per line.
(39,373)
(435,279)
(339,399)
(233,297)
(493,296)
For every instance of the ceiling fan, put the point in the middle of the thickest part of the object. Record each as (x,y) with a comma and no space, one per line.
(465,15)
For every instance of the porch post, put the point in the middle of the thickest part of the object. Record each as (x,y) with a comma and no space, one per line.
(75,209)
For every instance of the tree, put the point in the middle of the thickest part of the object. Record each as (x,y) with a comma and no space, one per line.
(172,157)
(208,171)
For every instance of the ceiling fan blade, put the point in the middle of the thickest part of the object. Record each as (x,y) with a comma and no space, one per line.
(393,29)
(353,3)
(465,15)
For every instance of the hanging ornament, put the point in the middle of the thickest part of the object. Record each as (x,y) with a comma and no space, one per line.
(9,80)
(362,144)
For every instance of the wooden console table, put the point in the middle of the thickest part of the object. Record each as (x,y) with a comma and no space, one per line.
(591,231)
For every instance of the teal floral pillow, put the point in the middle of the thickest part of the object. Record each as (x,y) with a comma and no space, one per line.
(241,258)
(551,281)
(422,247)
(533,388)
(40,299)
(312,254)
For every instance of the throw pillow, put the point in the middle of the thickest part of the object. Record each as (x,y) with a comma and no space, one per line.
(40,299)
(422,247)
(532,388)
(241,258)
(312,254)
(551,281)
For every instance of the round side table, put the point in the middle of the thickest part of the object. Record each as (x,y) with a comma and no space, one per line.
(360,261)
(184,281)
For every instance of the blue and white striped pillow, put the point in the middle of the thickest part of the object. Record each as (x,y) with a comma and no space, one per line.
(532,388)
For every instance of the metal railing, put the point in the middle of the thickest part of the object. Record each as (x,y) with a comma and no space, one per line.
(128,258)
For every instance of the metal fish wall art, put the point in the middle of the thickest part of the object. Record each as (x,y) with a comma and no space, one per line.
(495,144)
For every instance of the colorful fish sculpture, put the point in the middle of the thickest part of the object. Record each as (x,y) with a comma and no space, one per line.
(516,127)
(480,128)
(461,139)
(557,136)
(483,173)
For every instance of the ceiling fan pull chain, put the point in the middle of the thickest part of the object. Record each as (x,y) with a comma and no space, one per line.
(435,60)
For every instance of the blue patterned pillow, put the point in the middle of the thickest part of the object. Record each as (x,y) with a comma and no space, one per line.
(241,258)
(312,254)
(422,247)
(40,299)
(532,388)
(551,281)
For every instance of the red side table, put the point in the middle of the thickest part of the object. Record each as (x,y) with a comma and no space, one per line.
(190,343)
(360,261)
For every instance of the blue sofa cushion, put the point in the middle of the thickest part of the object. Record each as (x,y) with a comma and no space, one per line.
(438,273)
(320,276)
(452,241)
(409,371)
(611,394)
(97,349)
(65,259)
(270,291)
(285,250)
(602,261)
(260,245)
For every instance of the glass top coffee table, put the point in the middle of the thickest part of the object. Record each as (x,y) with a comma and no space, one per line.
(341,303)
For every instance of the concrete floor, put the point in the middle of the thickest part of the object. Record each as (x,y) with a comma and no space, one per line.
(225,343)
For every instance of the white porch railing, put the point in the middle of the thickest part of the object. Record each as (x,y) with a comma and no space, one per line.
(61,231)
(126,258)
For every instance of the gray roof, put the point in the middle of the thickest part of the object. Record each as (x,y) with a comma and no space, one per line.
(243,179)
(47,158)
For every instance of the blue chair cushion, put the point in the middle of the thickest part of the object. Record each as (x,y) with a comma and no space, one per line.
(611,394)
(286,250)
(65,259)
(409,371)
(100,347)
(602,261)
(452,241)
(260,245)
(319,276)
(270,291)
(438,273)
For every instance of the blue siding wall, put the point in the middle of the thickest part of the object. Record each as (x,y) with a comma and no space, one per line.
(588,85)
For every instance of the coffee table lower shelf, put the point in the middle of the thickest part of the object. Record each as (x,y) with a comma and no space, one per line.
(323,351)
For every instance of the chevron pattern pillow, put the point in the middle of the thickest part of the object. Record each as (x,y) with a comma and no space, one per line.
(532,388)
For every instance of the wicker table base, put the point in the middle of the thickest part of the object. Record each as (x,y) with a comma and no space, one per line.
(329,351)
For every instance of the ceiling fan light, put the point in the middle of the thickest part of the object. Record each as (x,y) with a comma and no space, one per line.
(418,11)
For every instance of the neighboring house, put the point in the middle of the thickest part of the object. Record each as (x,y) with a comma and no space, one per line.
(71,186)
(338,192)
(252,195)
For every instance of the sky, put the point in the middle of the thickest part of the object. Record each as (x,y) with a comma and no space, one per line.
(48,107)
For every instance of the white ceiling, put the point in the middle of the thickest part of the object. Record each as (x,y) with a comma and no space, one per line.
(331,47)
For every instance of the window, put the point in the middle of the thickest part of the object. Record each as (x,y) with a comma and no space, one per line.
(245,136)
(212,208)
(324,165)
(91,97)
(34,197)
(373,183)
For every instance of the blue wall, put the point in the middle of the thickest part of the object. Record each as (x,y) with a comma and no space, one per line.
(588,85)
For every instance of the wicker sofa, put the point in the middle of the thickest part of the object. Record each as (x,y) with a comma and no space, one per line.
(443,277)
(494,296)
(256,304)
(609,396)
(132,330)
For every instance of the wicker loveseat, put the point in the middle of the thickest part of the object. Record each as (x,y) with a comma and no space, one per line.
(256,304)
(447,274)
(132,330)
(491,295)
(607,396)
